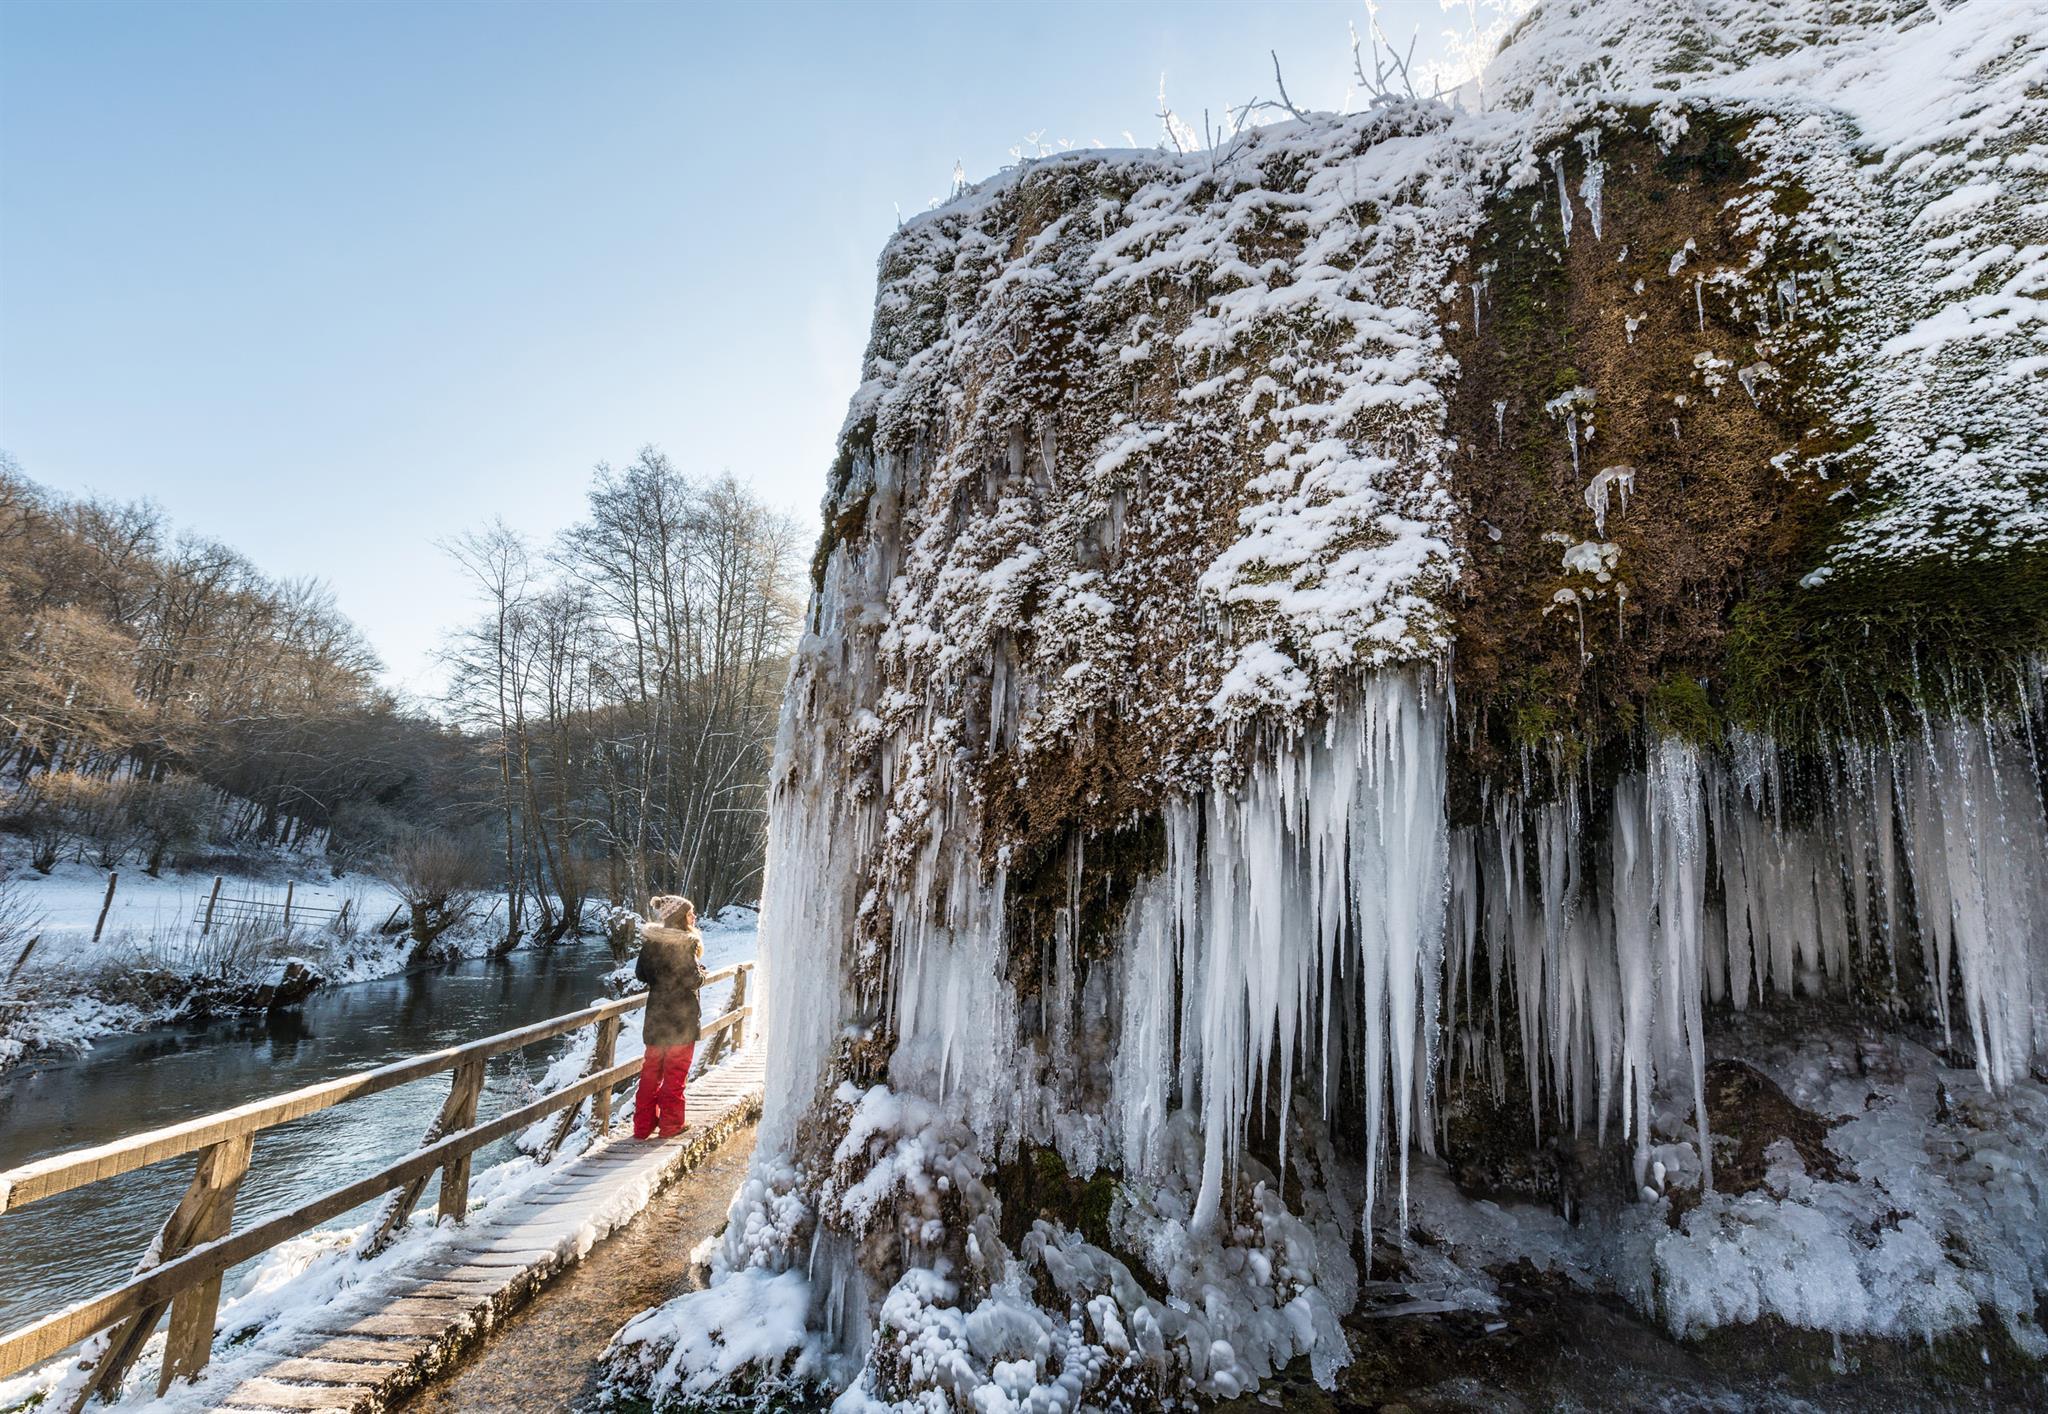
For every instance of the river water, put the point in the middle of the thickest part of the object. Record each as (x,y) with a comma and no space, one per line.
(77,1243)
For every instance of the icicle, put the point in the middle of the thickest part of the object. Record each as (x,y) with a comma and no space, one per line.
(1753,374)
(1329,864)
(1699,300)
(1564,199)
(1500,422)
(1566,405)
(1591,189)
(1622,480)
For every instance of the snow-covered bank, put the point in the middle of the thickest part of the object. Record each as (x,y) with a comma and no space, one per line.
(152,964)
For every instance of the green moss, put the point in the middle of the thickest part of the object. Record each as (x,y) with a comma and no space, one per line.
(1679,706)
(1841,658)
(1713,152)
(1037,1184)
(850,524)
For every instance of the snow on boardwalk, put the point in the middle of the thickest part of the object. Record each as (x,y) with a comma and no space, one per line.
(387,1338)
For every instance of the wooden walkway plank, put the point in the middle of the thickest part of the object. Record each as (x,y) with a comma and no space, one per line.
(396,1331)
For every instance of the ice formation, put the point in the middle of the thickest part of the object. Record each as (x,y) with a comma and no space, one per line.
(1137,923)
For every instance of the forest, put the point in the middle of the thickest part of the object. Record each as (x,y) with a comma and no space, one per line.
(166,703)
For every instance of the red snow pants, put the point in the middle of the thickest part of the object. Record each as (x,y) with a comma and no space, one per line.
(660,1101)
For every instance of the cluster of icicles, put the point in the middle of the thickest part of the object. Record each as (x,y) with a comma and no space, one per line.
(1326,927)
(1320,931)
(1707,886)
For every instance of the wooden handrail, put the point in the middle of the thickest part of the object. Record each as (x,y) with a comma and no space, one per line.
(33,1343)
(62,1172)
(141,1301)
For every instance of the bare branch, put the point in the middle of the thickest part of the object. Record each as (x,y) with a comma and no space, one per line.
(1285,101)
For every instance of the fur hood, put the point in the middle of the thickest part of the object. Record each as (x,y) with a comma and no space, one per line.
(655,932)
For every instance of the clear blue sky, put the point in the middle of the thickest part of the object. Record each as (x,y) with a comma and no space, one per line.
(332,282)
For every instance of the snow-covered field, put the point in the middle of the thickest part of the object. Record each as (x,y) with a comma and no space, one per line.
(150,962)
(148,911)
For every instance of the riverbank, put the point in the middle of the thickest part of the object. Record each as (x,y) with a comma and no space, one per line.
(283,927)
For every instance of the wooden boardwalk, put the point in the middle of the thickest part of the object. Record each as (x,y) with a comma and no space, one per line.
(386,1338)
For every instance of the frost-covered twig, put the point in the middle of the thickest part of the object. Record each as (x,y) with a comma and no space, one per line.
(1281,84)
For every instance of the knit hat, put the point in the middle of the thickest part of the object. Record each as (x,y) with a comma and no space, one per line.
(670,910)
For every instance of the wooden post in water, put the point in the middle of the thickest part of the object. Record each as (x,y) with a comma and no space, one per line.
(105,904)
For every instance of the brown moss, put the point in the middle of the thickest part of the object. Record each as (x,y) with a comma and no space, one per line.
(1711,518)
(1747,1107)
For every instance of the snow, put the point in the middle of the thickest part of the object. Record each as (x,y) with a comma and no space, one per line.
(1939,1211)
(85,988)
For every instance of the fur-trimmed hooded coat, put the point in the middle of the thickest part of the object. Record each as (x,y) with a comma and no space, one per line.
(671,964)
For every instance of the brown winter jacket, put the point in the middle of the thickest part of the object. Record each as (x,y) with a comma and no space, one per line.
(670,968)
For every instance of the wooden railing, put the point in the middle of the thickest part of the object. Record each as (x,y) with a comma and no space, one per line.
(182,1271)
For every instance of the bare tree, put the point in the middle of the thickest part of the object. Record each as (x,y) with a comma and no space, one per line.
(439,877)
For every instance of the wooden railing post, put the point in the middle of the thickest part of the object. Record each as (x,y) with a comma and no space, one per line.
(469,1085)
(601,1102)
(202,1215)
(289,885)
(211,899)
(738,1004)
(458,1112)
(190,1342)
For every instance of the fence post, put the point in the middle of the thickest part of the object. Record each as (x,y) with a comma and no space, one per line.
(469,1084)
(105,904)
(211,899)
(288,887)
(202,1215)
(607,1051)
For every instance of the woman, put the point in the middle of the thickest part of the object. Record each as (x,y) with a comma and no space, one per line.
(672,965)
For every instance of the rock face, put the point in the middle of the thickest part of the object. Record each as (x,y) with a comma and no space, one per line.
(1389,638)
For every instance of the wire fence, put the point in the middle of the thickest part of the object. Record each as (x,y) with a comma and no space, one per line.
(220,910)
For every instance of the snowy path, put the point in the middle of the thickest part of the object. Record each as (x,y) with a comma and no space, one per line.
(547,1355)
(388,1338)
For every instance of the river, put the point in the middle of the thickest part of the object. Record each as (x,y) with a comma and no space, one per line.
(67,1247)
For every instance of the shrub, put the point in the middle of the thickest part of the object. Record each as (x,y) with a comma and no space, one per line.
(175,813)
(439,876)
